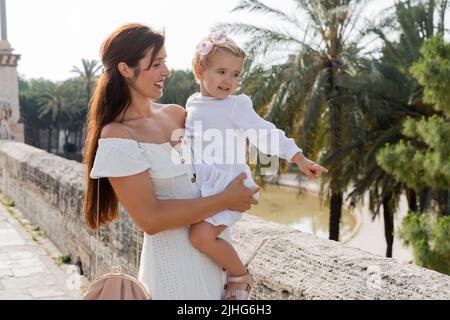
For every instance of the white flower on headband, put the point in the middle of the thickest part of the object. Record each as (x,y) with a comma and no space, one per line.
(219,37)
(206,46)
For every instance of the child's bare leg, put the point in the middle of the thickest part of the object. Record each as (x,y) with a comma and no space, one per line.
(204,238)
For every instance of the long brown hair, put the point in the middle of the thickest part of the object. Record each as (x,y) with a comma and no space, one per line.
(129,43)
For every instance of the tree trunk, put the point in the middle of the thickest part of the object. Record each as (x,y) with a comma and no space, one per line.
(38,138)
(82,137)
(66,136)
(57,140)
(79,137)
(336,190)
(49,142)
(335,215)
(35,133)
(29,137)
(425,199)
(444,202)
(412,199)
(441,25)
(335,144)
(388,226)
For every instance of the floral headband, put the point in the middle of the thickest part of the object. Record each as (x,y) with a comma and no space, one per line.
(206,46)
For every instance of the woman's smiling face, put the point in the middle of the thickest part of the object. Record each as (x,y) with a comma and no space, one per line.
(150,80)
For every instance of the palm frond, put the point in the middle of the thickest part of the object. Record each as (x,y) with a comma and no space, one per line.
(381,139)
(261,39)
(259,7)
(313,113)
(261,85)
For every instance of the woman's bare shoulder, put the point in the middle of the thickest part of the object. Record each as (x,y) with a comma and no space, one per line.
(174,110)
(114,130)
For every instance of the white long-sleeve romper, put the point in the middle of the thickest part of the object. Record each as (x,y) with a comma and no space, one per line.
(217,133)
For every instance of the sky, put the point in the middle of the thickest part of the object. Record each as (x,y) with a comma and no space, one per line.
(53,35)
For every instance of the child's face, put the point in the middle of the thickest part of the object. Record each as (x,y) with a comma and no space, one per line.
(221,78)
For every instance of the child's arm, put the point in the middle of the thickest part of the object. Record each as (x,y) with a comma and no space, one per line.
(268,139)
(262,134)
(311,169)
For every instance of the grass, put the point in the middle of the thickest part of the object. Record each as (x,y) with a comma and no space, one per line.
(63,258)
(9,203)
(36,232)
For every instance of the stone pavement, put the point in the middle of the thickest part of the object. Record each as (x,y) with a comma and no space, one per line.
(27,270)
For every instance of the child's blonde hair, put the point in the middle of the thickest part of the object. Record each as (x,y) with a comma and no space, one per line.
(227,46)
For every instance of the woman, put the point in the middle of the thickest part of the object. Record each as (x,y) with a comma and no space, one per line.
(130,151)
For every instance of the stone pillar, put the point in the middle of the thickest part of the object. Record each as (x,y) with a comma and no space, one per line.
(4,32)
(9,84)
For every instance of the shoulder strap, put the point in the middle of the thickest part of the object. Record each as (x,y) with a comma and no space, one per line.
(135,231)
(133,136)
(96,231)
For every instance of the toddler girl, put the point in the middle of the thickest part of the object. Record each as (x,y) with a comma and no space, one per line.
(218,125)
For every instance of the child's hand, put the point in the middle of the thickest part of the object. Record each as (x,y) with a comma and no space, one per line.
(311,169)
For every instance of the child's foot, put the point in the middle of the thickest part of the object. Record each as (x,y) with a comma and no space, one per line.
(238,288)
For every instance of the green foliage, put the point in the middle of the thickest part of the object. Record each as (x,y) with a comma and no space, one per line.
(36,231)
(433,72)
(63,258)
(49,102)
(179,87)
(429,236)
(23,84)
(45,105)
(9,203)
(424,160)
(88,74)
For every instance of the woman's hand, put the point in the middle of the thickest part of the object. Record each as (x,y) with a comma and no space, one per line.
(240,198)
(311,169)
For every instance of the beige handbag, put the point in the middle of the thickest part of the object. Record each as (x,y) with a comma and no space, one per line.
(115,285)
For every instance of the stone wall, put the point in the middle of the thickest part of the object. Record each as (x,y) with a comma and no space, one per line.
(49,191)
(285,263)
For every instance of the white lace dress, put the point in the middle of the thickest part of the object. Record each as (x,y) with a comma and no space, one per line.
(170,267)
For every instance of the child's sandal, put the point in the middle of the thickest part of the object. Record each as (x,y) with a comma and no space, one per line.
(239,293)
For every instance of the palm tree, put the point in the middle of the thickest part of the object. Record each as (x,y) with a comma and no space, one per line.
(52,105)
(309,100)
(382,94)
(75,111)
(415,22)
(391,96)
(88,72)
(29,116)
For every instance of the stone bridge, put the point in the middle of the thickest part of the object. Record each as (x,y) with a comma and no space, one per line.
(285,263)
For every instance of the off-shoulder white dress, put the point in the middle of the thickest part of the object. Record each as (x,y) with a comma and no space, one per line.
(170,267)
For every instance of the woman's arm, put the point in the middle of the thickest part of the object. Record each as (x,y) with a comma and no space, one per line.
(136,194)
